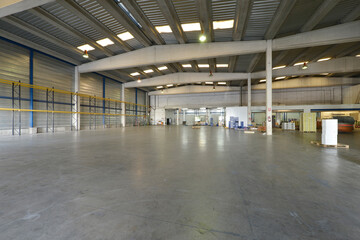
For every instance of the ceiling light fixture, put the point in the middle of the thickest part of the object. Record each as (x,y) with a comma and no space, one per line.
(304,66)
(159,87)
(209,83)
(202,38)
(86,47)
(279,67)
(262,80)
(357,55)
(148,71)
(190,27)
(139,80)
(203,65)
(222,83)
(222,65)
(170,85)
(324,59)
(300,63)
(186,65)
(135,74)
(162,90)
(105,42)
(164,29)
(223,24)
(162,68)
(278,78)
(125,36)
(85,54)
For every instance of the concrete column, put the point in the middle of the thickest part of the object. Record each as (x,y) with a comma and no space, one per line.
(269,87)
(177,117)
(147,106)
(184,115)
(75,118)
(249,99)
(123,119)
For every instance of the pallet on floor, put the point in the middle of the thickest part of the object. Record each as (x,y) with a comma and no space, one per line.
(195,127)
(339,145)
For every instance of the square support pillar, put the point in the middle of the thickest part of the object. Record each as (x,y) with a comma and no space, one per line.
(268,87)
(249,99)
(75,116)
(123,119)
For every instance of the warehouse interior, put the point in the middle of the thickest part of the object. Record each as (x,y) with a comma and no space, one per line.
(179,119)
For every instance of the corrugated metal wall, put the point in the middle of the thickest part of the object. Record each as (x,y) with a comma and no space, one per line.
(50,72)
(14,66)
(113,91)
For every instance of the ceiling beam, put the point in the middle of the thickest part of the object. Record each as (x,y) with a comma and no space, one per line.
(243,8)
(279,57)
(319,14)
(195,66)
(140,16)
(168,10)
(78,11)
(116,12)
(10,7)
(254,62)
(194,89)
(232,63)
(46,16)
(279,18)
(160,54)
(37,47)
(187,77)
(352,16)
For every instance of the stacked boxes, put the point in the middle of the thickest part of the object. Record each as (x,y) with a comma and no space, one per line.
(234,122)
(329,132)
(308,122)
(288,126)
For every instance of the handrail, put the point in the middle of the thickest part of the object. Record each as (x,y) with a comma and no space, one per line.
(64,91)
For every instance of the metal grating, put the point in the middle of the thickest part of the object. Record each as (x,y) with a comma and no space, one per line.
(152,12)
(262,13)
(223,9)
(186,11)
(73,21)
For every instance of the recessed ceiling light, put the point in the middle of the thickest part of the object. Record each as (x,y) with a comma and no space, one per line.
(105,42)
(203,65)
(222,65)
(159,87)
(324,74)
(134,74)
(278,67)
(186,65)
(189,27)
(262,80)
(162,68)
(86,47)
(300,63)
(125,36)
(164,29)
(357,55)
(222,83)
(170,85)
(278,78)
(209,83)
(323,59)
(223,24)
(148,71)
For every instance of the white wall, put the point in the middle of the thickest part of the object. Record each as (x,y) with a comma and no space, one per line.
(240,112)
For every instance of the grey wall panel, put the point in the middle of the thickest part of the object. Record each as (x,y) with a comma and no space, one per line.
(14,66)
(91,84)
(49,72)
(113,91)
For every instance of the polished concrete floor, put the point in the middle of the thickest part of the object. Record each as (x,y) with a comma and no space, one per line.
(178,183)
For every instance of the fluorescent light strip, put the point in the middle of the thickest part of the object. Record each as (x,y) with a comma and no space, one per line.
(279,67)
(85,47)
(170,85)
(278,78)
(162,68)
(221,83)
(164,29)
(135,74)
(222,65)
(262,80)
(209,83)
(159,87)
(324,59)
(203,65)
(190,27)
(125,36)
(186,65)
(223,24)
(148,71)
(300,63)
(357,55)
